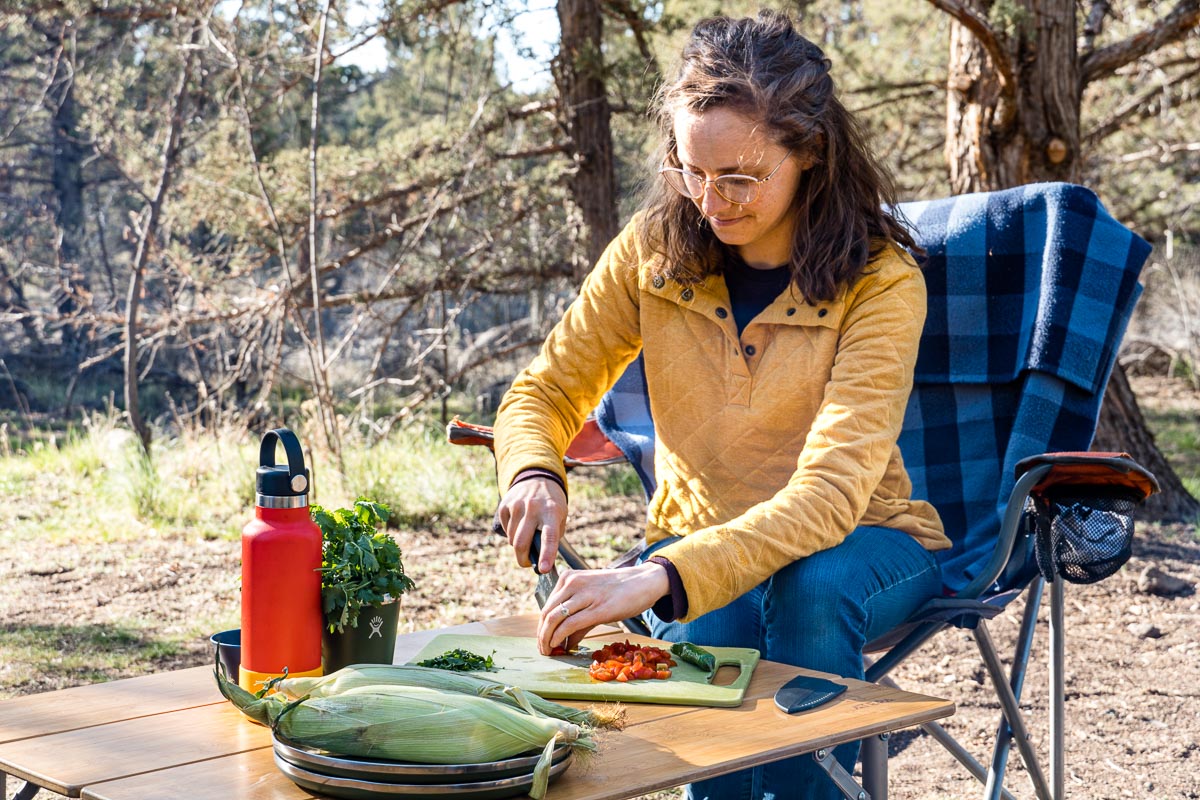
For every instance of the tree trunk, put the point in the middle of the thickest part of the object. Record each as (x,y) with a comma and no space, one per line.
(146,241)
(1122,428)
(67,179)
(584,112)
(1015,122)
(1012,117)
(316,349)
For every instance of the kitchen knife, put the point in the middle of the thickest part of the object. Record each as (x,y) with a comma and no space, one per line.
(546,581)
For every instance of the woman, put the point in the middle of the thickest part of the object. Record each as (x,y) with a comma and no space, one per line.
(779,315)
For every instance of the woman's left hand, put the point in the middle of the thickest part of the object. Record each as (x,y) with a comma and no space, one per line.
(592,597)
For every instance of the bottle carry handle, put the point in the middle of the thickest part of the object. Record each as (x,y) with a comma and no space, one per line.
(291,448)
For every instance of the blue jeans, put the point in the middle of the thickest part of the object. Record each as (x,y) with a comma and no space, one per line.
(817,613)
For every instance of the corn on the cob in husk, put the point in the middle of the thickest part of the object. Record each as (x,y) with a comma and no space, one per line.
(426,726)
(359,675)
(414,724)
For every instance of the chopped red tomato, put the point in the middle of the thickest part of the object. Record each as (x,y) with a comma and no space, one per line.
(625,661)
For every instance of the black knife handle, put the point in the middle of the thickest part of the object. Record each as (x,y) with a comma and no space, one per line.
(535,547)
(535,550)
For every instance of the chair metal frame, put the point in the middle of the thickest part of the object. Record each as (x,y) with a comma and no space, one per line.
(973,605)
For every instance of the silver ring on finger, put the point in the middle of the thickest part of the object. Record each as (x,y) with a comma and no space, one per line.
(566,612)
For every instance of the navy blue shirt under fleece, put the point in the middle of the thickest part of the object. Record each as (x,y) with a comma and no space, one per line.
(750,292)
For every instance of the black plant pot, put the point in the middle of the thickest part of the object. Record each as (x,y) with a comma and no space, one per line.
(372,642)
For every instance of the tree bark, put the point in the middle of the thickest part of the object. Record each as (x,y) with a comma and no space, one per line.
(1008,130)
(585,114)
(1014,95)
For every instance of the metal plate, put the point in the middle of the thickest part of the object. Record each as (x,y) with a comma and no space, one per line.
(353,789)
(386,771)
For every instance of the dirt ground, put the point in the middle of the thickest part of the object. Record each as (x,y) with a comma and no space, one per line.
(1133,669)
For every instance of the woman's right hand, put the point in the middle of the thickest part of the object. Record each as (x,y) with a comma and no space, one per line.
(531,505)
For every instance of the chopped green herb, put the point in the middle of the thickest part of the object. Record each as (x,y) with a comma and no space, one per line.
(461,661)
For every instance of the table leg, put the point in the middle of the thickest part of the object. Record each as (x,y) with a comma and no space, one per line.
(844,780)
(26,792)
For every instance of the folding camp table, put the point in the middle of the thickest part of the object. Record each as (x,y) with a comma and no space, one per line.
(173,735)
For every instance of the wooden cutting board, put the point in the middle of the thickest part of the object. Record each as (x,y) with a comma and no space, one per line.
(518,663)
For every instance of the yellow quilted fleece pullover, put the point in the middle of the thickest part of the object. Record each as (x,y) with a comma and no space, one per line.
(770,446)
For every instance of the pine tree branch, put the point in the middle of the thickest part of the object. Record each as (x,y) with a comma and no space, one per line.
(1163,152)
(923,91)
(1172,28)
(985,34)
(902,86)
(1139,106)
(1095,24)
(633,17)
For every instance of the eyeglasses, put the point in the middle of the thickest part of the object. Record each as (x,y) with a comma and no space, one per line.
(737,189)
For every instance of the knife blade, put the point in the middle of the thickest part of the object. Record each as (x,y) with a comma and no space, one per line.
(581,656)
(546,581)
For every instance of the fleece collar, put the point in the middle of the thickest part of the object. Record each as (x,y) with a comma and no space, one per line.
(710,297)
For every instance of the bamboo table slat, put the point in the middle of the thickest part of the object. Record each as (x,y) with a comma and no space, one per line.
(67,762)
(84,706)
(190,740)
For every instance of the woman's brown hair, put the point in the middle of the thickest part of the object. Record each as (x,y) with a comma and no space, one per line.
(763,68)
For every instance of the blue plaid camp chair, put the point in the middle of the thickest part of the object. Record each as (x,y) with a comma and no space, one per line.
(1030,290)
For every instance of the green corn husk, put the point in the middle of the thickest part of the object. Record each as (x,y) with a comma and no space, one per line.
(260,709)
(360,675)
(415,724)
(427,726)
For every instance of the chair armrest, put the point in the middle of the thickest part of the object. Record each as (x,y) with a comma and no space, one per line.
(1083,512)
(1053,473)
(466,433)
(1078,472)
(589,448)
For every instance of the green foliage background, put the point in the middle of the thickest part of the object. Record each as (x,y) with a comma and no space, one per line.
(446,233)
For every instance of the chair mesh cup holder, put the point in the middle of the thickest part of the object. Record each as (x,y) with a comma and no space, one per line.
(1084,537)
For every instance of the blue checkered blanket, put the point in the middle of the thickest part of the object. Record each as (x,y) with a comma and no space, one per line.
(1030,290)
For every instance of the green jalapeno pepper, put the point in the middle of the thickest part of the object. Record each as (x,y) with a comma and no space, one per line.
(695,655)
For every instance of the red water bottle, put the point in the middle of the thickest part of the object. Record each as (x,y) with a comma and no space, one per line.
(281,585)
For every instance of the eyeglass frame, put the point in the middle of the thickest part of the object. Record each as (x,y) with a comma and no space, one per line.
(704,182)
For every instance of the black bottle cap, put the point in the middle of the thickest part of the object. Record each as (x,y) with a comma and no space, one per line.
(288,480)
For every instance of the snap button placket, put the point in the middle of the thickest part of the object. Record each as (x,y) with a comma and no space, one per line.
(659,281)
(750,349)
(722,313)
(687,295)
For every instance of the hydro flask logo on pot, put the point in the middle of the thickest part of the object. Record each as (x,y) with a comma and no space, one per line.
(376,624)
